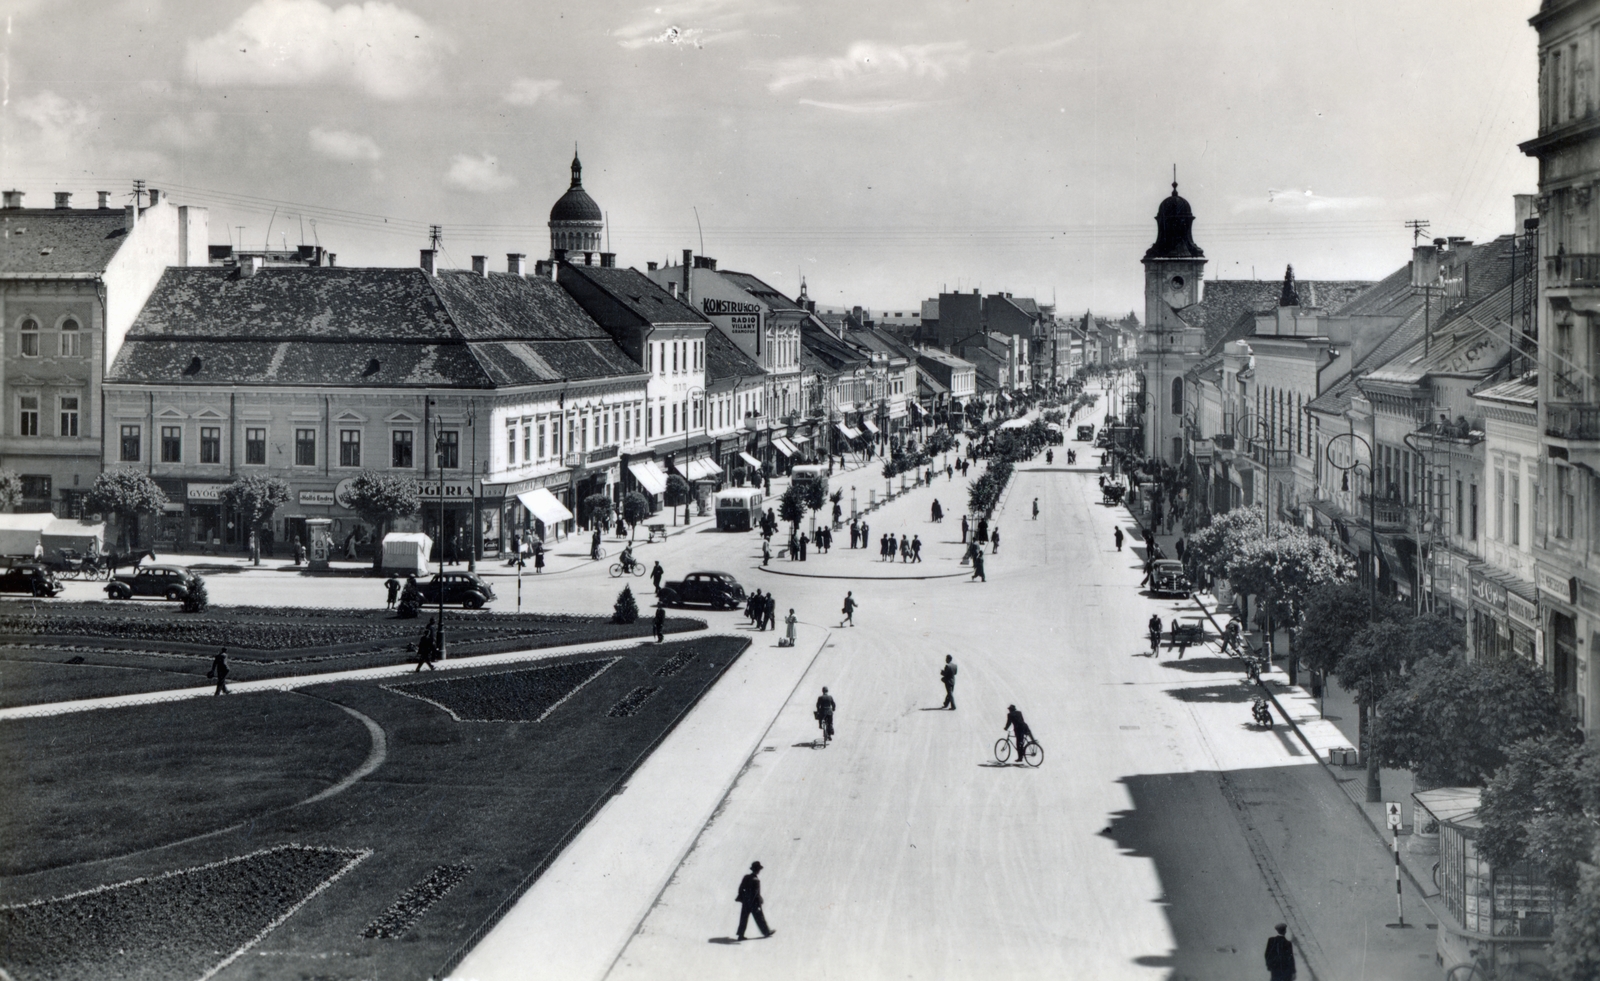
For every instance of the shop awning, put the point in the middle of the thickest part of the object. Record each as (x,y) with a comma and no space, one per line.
(702,468)
(871,426)
(749,459)
(649,475)
(846,431)
(543,505)
(785,447)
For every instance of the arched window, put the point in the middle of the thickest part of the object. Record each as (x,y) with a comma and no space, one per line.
(71,339)
(30,338)
(1177,396)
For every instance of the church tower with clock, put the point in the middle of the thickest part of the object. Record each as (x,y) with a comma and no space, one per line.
(1174,269)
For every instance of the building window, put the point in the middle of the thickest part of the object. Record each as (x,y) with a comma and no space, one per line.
(30,338)
(171,444)
(349,447)
(511,445)
(69,415)
(542,448)
(305,447)
(449,450)
(27,415)
(1472,525)
(255,447)
(1565,503)
(674,417)
(1516,508)
(130,444)
(210,444)
(35,487)
(71,339)
(1499,505)
(400,450)
(527,441)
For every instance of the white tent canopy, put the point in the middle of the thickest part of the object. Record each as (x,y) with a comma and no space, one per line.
(702,468)
(750,459)
(406,551)
(650,475)
(543,505)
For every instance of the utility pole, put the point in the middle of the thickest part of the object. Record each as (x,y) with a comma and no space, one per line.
(1417,226)
(435,236)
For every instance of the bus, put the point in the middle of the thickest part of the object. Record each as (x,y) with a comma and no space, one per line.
(808,473)
(738,509)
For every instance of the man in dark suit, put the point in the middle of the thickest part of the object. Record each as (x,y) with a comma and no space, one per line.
(947,674)
(1280,955)
(749,899)
(219,669)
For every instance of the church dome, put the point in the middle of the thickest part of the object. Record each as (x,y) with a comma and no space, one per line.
(1174,230)
(576,204)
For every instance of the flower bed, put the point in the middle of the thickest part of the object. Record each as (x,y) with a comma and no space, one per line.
(394,922)
(524,695)
(632,701)
(184,924)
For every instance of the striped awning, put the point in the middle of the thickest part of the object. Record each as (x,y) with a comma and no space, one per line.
(650,475)
(702,468)
(543,505)
(749,459)
(872,427)
(785,447)
(846,431)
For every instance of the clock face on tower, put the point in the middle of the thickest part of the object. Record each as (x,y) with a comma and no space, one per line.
(1176,283)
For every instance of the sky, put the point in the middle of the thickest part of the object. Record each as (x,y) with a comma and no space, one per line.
(883,151)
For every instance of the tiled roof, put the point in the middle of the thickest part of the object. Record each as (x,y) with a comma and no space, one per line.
(640,294)
(944,357)
(1228,307)
(725,359)
(49,241)
(1523,391)
(370,328)
(761,290)
(829,351)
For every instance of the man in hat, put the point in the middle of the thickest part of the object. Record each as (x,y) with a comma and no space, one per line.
(1280,955)
(749,899)
(947,674)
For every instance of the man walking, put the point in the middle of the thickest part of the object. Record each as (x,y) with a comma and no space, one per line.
(938,512)
(749,899)
(994,541)
(963,529)
(855,533)
(1036,509)
(916,548)
(772,612)
(425,648)
(977,565)
(655,576)
(1280,955)
(1116,535)
(947,674)
(219,668)
(661,624)
(766,553)
(824,714)
(849,610)
(393,585)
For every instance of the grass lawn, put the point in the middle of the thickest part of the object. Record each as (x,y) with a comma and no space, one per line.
(85,650)
(459,819)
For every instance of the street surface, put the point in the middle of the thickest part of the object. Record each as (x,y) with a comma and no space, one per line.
(1162,837)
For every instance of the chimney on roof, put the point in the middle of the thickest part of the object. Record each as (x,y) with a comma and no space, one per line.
(558,256)
(672,288)
(428,262)
(705,262)
(333,258)
(480,265)
(516,263)
(105,200)
(688,261)
(250,267)
(155,197)
(608,260)
(63,199)
(650,267)
(13,199)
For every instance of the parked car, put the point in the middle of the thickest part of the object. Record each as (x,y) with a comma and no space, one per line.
(467,588)
(30,580)
(1167,578)
(170,582)
(1085,433)
(716,589)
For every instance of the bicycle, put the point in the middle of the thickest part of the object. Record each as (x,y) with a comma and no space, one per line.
(825,723)
(597,554)
(635,568)
(1485,968)
(1033,755)
(1155,643)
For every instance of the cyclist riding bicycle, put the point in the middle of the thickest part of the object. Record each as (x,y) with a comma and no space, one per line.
(1019,729)
(824,714)
(627,558)
(1155,631)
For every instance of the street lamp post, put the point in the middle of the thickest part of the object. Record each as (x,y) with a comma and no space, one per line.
(1374,785)
(438,457)
(477,535)
(693,392)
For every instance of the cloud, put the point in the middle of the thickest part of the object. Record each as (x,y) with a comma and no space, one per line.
(1294,200)
(882,105)
(691,23)
(479,175)
(337,144)
(187,132)
(869,61)
(57,136)
(527,91)
(376,47)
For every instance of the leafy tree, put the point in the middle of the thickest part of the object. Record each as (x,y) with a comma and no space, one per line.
(1575,944)
(1332,616)
(197,599)
(1452,720)
(10,490)
(677,492)
(635,508)
(1539,806)
(596,510)
(254,497)
(1210,549)
(1284,569)
(814,496)
(381,499)
(791,507)
(1379,656)
(125,493)
(626,609)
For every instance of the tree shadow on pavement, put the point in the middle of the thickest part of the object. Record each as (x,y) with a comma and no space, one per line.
(1215,694)
(1206,665)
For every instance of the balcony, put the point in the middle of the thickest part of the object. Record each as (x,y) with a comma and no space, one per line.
(1388,512)
(1572,269)
(1572,421)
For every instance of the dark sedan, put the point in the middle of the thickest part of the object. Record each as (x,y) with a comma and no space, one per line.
(31,580)
(1167,579)
(169,582)
(718,590)
(467,588)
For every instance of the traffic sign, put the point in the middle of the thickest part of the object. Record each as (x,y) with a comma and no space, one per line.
(1392,809)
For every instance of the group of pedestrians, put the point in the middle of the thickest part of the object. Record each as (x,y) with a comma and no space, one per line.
(761,610)
(859,532)
(908,547)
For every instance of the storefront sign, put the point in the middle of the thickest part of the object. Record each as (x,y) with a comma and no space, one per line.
(1488,594)
(325,498)
(204,492)
(1563,588)
(1521,609)
(604,453)
(740,318)
(449,490)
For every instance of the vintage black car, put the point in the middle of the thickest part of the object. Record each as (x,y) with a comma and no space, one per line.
(718,590)
(467,588)
(1085,433)
(1168,579)
(169,582)
(31,580)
